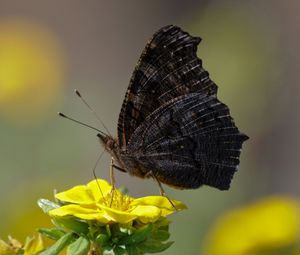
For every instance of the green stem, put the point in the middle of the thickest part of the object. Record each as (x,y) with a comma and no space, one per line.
(95,251)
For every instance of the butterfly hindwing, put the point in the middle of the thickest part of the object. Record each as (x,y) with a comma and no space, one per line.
(168,67)
(190,141)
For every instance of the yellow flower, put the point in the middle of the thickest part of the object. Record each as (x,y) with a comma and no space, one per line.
(268,225)
(32,69)
(94,201)
(33,246)
(6,249)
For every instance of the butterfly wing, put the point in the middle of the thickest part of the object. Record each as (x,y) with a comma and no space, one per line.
(190,141)
(167,68)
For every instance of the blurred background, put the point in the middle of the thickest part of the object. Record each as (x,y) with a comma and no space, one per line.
(49,48)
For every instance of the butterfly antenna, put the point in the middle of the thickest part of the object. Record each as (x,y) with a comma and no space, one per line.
(95,176)
(92,110)
(81,123)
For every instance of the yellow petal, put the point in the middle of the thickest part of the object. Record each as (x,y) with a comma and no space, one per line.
(33,245)
(14,243)
(115,215)
(80,194)
(78,211)
(160,202)
(99,188)
(91,193)
(146,213)
(72,210)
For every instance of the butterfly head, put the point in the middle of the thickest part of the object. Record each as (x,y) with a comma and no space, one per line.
(108,142)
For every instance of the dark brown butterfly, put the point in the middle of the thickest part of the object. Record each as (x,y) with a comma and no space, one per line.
(171,126)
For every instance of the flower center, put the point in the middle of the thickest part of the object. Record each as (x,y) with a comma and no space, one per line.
(118,200)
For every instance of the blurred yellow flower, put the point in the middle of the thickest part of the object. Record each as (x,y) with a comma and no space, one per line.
(31,68)
(33,246)
(6,249)
(261,228)
(92,202)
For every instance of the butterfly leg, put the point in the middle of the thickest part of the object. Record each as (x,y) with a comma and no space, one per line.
(112,181)
(161,189)
(119,168)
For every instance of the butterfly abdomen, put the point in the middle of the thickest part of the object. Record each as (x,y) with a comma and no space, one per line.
(133,166)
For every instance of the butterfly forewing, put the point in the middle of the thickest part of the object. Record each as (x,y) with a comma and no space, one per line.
(168,67)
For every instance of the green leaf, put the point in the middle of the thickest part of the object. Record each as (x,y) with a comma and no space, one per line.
(80,247)
(117,231)
(59,245)
(102,239)
(47,205)
(160,235)
(132,250)
(95,229)
(73,224)
(108,230)
(108,250)
(152,246)
(20,252)
(163,224)
(138,236)
(52,233)
(120,251)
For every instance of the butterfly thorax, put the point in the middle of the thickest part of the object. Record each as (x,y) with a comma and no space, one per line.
(125,161)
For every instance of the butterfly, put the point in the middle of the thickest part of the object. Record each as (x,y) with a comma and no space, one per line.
(172,127)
